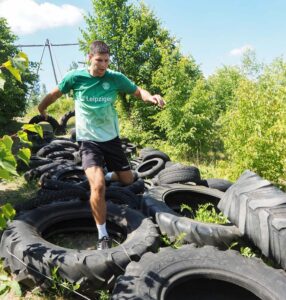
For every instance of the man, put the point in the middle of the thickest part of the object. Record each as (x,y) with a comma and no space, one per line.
(95,90)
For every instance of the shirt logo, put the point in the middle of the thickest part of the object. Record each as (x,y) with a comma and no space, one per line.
(106,85)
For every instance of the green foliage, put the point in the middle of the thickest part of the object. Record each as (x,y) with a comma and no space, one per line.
(247,252)
(104,295)
(9,286)
(176,243)
(7,213)
(253,128)
(7,159)
(8,165)
(60,286)
(13,98)
(206,213)
(223,84)
(190,125)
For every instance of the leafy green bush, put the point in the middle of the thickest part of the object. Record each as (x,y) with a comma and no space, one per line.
(254,128)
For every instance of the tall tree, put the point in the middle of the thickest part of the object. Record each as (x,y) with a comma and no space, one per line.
(13,98)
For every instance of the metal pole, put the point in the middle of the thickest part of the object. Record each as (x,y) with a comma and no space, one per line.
(49,46)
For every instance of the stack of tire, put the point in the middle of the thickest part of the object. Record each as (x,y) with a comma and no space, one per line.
(139,266)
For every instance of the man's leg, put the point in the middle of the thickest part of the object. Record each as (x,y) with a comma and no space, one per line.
(96,180)
(125,177)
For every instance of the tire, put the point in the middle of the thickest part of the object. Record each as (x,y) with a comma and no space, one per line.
(48,196)
(61,155)
(50,184)
(258,208)
(121,195)
(65,118)
(155,154)
(38,119)
(37,172)
(162,203)
(47,149)
(217,183)
(66,144)
(66,173)
(73,134)
(92,269)
(137,187)
(199,273)
(179,174)
(150,168)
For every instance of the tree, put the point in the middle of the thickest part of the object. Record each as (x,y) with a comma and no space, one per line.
(142,50)
(13,98)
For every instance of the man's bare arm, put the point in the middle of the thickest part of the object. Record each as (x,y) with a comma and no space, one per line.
(48,100)
(147,97)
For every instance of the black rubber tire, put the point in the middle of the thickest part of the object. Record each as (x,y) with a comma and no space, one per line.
(179,174)
(52,121)
(131,147)
(258,208)
(155,154)
(162,203)
(200,274)
(65,118)
(47,149)
(48,196)
(37,172)
(137,187)
(66,144)
(73,134)
(150,168)
(72,173)
(92,269)
(50,184)
(217,183)
(34,162)
(61,155)
(69,173)
(121,195)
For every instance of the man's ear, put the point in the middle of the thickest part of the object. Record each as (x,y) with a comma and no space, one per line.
(89,56)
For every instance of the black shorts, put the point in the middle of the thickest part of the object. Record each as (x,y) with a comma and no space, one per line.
(101,154)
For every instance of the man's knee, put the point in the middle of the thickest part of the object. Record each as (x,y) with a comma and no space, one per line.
(97,187)
(126,177)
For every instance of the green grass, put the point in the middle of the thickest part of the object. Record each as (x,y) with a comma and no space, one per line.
(206,213)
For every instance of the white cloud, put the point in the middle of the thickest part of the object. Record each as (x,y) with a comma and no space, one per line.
(28,16)
(241,50)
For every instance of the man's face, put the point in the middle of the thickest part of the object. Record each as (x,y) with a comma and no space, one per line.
(98,63)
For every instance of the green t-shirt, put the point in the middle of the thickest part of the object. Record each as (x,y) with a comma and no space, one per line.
(96,117)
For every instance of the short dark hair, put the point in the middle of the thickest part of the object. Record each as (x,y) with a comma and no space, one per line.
(99,47)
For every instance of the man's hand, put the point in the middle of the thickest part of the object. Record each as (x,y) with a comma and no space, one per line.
(44,114)
(48,100)
(147,97)
(157,99)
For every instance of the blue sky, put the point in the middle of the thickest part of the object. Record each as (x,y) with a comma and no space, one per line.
(213,32)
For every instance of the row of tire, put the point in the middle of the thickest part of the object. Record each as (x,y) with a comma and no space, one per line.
(136,216)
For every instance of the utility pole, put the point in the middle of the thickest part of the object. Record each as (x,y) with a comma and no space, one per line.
(52,61)
(49,45)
